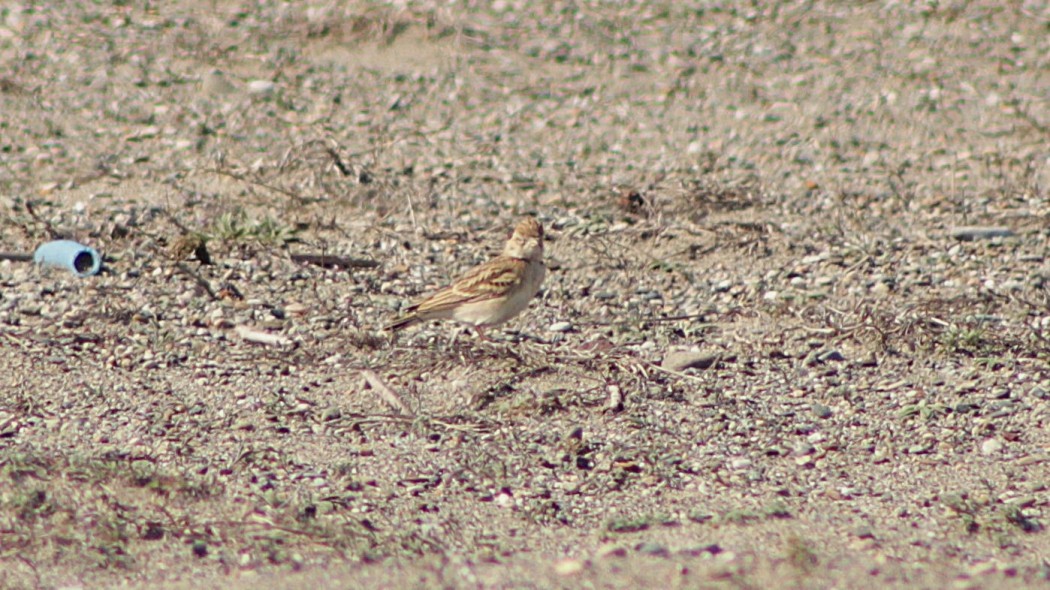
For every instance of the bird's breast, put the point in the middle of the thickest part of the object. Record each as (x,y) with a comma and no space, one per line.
(491,312)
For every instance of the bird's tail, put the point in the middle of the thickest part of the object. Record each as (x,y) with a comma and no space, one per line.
(403,322)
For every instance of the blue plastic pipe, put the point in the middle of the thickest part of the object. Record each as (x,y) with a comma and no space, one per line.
(78,258)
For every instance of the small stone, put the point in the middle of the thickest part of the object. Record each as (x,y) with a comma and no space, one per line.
(863,544)
(991,446)
(214,83)
(680,360)
(821,411)
(560,327)
(868,361)
(831,355)
(261,87)
(983,569)
(649,548)
(920,449)
(700,516)
(802,449)
(804,461)
(611,550)
(848,492)
(295,308)
(712,549)
(569,567)
(740,463)
(969,233)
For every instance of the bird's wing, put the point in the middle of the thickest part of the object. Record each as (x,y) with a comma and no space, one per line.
(491,280)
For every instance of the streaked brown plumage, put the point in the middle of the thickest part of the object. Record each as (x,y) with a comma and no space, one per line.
(491,293)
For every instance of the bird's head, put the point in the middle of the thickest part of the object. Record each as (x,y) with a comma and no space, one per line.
(527,240)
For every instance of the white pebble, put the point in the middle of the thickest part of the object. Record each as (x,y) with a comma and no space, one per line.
(991,446)
(261,87)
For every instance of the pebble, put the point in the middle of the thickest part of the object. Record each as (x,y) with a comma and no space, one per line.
(983,569)
(569,567)
(803,449)
(680,360)
(831,355)
(650,548)
(611,550)
(991,446)
(729,415)
(215,83)
(261,87)
(296,309)
(968,233)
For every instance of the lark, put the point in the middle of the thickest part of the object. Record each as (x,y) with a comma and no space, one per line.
(489,294)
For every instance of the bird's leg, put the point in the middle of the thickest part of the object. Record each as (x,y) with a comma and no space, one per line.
(481,334)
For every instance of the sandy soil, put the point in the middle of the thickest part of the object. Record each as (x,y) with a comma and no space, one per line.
(776,346)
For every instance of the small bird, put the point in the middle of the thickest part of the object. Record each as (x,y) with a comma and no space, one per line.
(491,293)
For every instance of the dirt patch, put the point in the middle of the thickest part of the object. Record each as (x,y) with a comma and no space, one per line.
(774,195)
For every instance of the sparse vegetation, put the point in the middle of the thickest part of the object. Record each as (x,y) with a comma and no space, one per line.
(775,186)
(234,227)
(801,555)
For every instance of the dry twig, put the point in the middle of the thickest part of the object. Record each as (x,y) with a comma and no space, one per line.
(328,261)
(258,337)
(389,396)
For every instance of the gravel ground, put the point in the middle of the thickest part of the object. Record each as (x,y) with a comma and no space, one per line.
(795,332)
